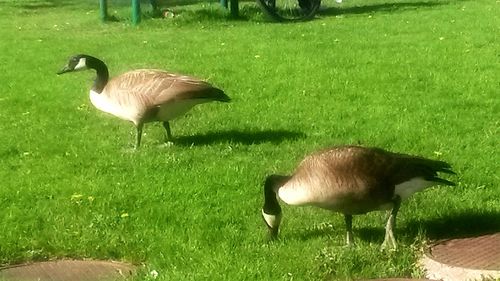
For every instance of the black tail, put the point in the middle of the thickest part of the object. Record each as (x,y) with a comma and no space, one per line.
(219,95)
(439,166)
(426,168)
(442,181)
(209,94)
(433,167)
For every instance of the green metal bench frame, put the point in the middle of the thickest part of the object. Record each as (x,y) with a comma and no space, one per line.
(136,9)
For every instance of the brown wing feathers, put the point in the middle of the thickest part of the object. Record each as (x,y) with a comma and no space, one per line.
(383,166)
(162,87)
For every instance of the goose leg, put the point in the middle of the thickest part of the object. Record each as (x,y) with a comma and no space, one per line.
(348,225)
(168,136)
(139,135)
(389,241)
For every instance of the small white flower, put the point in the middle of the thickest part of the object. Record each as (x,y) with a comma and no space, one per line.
(154,274)
(76,197)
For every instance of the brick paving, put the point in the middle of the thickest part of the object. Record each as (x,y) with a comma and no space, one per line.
(68,270)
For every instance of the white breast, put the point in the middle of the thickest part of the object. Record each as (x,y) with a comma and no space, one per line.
(108,105)
(407,188)
(175,109)
(293,194)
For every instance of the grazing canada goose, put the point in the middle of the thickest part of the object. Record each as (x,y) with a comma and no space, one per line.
(352,180)
(144,95)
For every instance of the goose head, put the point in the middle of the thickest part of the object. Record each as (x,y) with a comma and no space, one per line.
(271,211)
(75,63)
(82,62)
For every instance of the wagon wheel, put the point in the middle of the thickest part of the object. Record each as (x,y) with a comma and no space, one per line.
(290,10)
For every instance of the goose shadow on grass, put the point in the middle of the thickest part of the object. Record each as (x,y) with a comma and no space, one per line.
(375,8)
(458,225)
(242,137)
(338,232)
(453,226)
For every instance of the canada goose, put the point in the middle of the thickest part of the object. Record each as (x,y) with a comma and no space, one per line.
(352,180)
(144,95)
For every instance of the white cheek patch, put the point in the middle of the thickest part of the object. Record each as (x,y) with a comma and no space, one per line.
(82,64)
(272,220)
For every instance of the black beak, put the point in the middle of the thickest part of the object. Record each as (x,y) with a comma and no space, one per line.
(273,232)
(64,70)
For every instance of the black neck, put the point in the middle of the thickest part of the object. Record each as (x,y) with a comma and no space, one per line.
(102,73)
(272,184)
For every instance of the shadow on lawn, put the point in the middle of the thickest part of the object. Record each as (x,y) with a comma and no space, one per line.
(369,9)
(452,226)
(217,13)
(243,137)
(38,5)
(460,225)
(369,234)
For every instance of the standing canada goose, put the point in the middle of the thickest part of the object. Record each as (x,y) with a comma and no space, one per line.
(144,95)
(352,180)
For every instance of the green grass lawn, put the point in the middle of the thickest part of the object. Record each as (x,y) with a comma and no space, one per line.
(420,77)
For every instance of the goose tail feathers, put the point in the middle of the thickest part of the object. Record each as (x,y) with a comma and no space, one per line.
(219,95)
(436,166)
(441,181)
